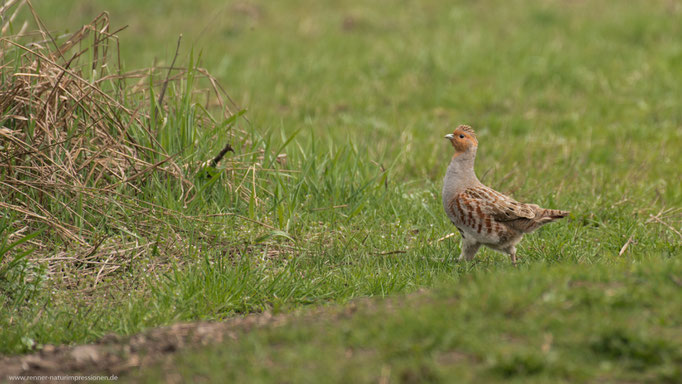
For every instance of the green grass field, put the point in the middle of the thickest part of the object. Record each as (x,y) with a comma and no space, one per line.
(577,107)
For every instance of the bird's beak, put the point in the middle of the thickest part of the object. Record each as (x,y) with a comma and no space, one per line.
(449,136)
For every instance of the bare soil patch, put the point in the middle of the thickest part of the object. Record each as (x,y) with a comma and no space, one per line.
(117,355)
(122,355)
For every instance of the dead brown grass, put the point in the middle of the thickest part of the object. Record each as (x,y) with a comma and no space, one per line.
(78,143)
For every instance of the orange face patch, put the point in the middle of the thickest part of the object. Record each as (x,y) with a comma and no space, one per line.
(463,139)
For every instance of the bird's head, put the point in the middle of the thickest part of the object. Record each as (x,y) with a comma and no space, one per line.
(463,139)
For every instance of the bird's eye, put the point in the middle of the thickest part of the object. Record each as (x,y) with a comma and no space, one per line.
(461,136)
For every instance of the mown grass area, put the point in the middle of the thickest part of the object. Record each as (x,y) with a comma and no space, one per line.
(576,105)
(542,324)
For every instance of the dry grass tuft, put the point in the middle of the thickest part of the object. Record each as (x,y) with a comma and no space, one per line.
(79,141)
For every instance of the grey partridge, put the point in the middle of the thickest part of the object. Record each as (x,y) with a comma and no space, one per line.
(482,215)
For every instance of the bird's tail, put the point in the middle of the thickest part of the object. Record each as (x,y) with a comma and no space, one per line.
(545,216)
(553,214)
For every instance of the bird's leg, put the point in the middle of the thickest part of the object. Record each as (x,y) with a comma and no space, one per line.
(512,253)
(469,248)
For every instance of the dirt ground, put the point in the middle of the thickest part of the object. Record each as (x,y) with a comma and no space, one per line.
(121,355)
(118,355)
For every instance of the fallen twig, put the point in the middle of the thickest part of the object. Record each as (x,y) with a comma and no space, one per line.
(449,235)
(625,246)
(655,218)
(389,253)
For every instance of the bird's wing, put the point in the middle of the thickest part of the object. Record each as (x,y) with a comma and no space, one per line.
(499,206)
